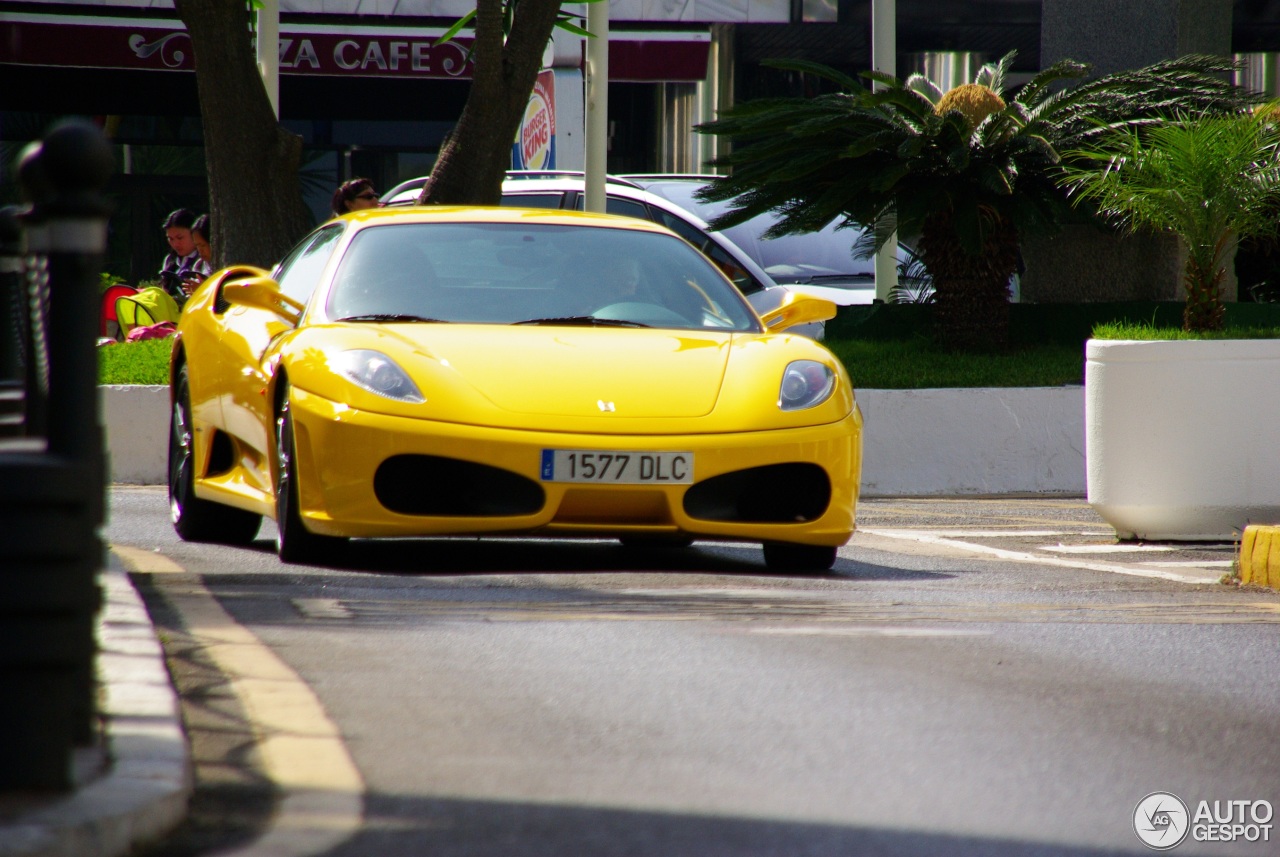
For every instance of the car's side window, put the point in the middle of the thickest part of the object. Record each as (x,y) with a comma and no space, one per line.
(533,200)
(741,277)
(300,271)
(617,205)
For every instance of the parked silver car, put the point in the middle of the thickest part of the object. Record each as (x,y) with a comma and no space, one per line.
(823,262)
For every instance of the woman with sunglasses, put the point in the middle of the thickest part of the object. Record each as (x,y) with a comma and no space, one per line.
(354,195)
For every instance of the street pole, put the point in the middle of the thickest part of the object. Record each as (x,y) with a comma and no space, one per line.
(268,46)
(884,58)
(597,105)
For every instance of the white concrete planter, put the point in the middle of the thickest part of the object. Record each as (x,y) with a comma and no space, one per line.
(135,420)
(1182,438)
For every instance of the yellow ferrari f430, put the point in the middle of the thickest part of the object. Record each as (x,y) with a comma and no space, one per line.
(462,371)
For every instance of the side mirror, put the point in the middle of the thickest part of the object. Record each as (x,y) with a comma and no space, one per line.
(263,293)
(797,309)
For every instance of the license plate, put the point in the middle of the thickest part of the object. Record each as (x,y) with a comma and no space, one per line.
(617,468)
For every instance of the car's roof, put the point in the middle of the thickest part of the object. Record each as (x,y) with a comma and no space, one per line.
(497,214)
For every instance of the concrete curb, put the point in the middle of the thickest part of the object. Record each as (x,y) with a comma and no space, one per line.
(916,443)
(1260,556)
(143,793)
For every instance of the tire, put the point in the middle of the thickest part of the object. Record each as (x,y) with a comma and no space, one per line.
(197,520)
(785,556)
(295,544)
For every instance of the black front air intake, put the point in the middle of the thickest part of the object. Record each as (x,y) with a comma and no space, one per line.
(433,485)
(774,494)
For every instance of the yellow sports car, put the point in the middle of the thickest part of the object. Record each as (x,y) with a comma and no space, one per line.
(445,371)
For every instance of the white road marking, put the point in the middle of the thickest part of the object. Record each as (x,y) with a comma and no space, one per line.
(1116,548)
(1216,563)
(1040,559)
(867,631)
(321,608)
(1012,534)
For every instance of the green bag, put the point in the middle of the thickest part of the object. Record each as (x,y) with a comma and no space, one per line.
(148,306)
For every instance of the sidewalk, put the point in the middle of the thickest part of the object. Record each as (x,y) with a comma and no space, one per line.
(143,791)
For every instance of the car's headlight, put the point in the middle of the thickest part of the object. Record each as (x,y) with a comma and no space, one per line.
(377,373)
(805,383)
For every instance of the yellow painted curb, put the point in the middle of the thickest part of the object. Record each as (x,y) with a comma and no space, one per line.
(301,748)
(1260,556)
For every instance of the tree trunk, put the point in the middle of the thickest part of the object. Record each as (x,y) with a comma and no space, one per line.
(1203,309)
(477,153)
(255,197)
(971,291)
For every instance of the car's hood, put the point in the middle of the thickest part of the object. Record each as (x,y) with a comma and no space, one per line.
(583,371)
(571,379)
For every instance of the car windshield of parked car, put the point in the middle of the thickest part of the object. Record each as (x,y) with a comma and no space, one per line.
(531,273)
(827,253)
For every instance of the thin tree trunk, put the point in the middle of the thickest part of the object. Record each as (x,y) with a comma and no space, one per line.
(971,291)
(1203,309)
(475,156)
(255,195)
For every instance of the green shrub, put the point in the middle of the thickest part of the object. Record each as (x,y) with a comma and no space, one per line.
(920,364)
(144,362)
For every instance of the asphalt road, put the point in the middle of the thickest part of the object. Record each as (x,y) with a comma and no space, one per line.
(955,687)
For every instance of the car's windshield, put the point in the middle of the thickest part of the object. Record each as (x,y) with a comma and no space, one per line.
(531,273)
(828,252)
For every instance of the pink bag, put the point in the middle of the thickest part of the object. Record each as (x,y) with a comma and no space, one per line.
(159,330)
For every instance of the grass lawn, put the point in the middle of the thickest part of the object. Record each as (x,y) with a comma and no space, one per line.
(918,364)
(1150,333)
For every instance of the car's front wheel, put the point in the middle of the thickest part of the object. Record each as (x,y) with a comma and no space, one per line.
(294,542)
(197,520)
(785,556)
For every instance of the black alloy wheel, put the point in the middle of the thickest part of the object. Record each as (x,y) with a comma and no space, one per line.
(294,542)
(194,519)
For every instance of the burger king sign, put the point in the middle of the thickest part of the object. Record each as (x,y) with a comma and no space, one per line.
(535,144)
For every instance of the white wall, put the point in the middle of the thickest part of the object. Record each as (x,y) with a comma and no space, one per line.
(973,441)
(915,442)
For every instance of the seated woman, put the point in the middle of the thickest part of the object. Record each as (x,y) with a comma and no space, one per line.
(354,195)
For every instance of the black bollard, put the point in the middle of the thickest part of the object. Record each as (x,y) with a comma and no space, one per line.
(51,501)
(13,326)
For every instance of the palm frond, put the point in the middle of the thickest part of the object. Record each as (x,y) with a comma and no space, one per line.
(1038,87)
(839,78)
(992,76)
(910,101)
(926,87)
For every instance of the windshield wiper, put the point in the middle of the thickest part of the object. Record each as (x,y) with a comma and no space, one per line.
(583,320)
(391,316)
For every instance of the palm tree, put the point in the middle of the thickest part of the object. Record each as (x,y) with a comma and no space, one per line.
(1210,180)
(966,170)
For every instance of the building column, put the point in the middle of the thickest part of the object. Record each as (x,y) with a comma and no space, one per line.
(1127,34)
(1084,263)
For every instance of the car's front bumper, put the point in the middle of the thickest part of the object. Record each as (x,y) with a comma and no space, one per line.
(339,450)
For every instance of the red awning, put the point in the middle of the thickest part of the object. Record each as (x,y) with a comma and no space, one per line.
(144,44)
